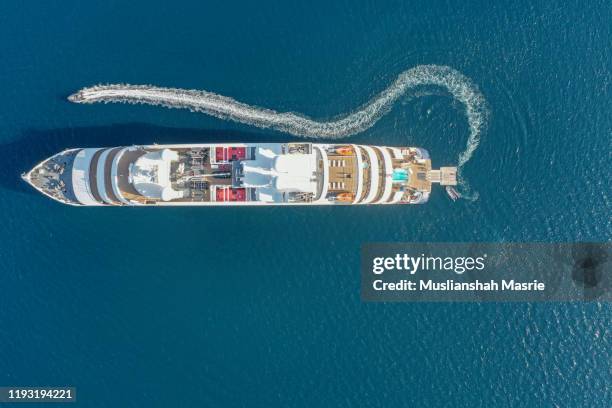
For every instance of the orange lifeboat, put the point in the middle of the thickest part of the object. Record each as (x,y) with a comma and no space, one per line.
(345,197)
(344,150)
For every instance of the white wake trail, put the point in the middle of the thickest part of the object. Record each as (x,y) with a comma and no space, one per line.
(457,84)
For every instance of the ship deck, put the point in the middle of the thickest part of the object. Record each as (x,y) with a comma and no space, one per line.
(50,177)
(337,174)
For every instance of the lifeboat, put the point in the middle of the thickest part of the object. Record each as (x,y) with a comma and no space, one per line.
(344,150)
(345,197)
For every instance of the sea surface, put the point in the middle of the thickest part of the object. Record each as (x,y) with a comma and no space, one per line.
(260,307)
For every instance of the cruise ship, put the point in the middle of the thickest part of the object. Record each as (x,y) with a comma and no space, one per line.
(239,174)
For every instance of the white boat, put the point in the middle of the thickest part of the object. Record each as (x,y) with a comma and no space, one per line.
(247,174)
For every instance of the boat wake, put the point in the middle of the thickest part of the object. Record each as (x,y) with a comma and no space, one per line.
(364,117)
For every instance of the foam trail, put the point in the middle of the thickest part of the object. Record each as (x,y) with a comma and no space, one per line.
(357,121)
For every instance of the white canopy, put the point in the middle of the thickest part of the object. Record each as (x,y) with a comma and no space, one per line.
(273,173)
(297,165)
(151,175)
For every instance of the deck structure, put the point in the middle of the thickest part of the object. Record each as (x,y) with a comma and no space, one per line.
(239,174)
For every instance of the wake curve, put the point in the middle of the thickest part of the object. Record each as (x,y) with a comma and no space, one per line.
(223,107)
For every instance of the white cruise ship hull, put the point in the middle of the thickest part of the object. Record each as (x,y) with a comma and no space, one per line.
(239,174)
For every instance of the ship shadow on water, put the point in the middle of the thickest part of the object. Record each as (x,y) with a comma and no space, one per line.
(35,144)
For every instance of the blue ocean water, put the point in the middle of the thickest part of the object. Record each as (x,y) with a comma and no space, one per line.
(260,307)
